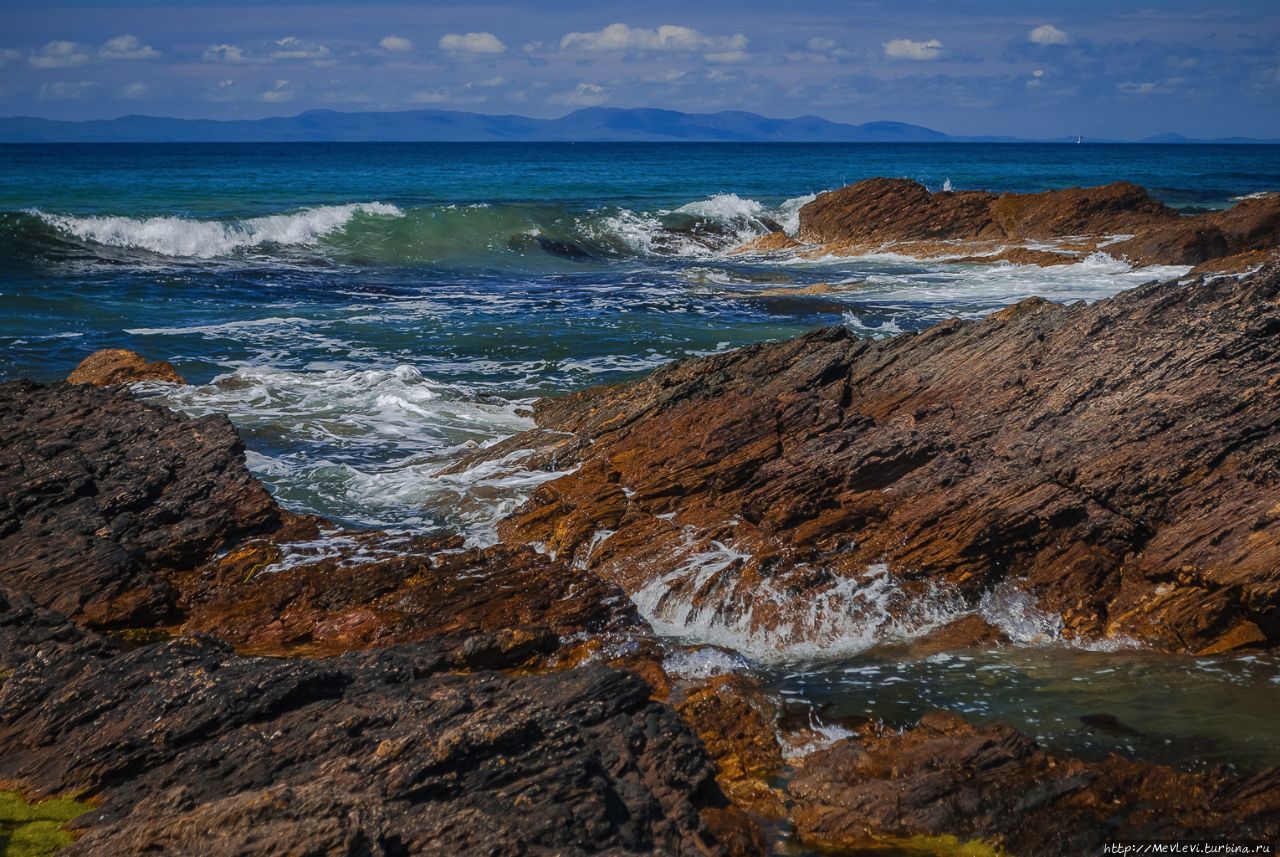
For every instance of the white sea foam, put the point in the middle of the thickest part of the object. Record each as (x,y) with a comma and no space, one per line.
(181,237)
(368,445)
(724,207)
(788,214)
(701,601)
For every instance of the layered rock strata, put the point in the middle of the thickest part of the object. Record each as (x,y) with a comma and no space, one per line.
(1116,462)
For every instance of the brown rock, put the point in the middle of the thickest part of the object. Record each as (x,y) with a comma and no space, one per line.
(735,721)
(1115,461)
(497,607)
(772,242)
(101,494)
(122,514)
(898,214)
(121,366)
(993,784)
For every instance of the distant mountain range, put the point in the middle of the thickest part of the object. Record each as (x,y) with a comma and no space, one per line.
(594,124)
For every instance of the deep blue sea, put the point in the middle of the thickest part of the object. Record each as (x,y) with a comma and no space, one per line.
(365,313)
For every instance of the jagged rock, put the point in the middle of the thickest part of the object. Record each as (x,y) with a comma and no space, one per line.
(122,366)
(188,748)
(122,514)
(495,607)
(1116,461)
(881,213)
(948,778)
(100,493)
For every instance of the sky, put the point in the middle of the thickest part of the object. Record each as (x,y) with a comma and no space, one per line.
(1118,69)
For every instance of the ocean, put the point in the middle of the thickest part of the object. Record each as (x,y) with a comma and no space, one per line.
(365,314)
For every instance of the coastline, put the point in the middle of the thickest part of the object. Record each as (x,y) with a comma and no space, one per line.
(1108,462)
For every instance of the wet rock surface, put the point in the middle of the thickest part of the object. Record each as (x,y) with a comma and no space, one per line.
(1116,461)
(902,215)
(949,778)
(1114,465)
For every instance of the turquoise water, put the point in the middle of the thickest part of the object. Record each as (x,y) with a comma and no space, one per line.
(366,313)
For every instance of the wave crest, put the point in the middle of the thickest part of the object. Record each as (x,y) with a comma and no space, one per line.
(180,237)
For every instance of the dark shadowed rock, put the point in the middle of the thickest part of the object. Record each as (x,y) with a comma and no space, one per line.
(187,748)
(122,366)
(992,783)
(1116,461)
(100,494)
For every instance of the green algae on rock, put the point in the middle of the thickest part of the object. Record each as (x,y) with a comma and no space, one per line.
(35,829)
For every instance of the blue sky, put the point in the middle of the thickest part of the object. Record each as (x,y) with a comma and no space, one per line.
(1119,69)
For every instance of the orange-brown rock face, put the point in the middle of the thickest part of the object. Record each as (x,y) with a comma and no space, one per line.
(1116,461)
(884,213)
(121,366)
(994,784)
(736,722)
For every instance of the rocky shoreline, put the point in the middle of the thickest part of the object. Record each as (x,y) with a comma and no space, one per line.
(172,658)
(1057,227)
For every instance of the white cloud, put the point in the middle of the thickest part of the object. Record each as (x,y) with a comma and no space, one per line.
(127,48)
(396,44)
(487,83)
(582,95)
(668,37)
(8,55)
(1133,88)
(820,45)
(135,90)
(60,54)
(445,96)
(278,93)
(64,90)
(727,56)
(670,76)
(224,53)
(1047,34)
(905,49)
(293,48)
(472,43)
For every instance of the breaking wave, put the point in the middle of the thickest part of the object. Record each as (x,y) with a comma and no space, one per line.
(380,232)
(209,239)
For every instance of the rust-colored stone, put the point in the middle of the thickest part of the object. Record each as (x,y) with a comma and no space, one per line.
(771,242)
(122,366)
(736,723)
(900,215)
(1116,461)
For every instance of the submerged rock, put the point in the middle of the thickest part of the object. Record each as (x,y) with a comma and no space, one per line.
(1115,463)
(122,366)
(897,214)
(947,778)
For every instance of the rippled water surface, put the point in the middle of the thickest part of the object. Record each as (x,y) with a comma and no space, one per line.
(367,313)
